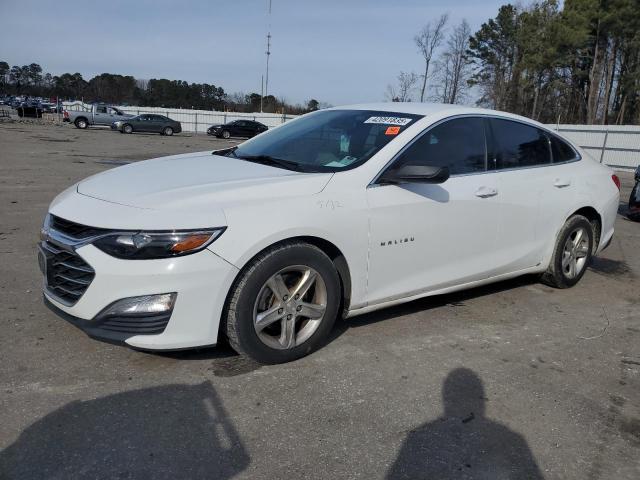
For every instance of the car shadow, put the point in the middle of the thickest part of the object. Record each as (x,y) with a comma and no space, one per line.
(173,431)
(611,268)
(225,362)
(463,443)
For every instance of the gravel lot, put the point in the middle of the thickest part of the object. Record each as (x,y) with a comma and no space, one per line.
(514,380)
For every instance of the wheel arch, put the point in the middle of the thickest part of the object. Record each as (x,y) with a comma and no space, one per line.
(329,248)
(595,219)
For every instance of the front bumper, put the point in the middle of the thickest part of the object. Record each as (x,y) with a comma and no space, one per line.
(111,330)
(201,282)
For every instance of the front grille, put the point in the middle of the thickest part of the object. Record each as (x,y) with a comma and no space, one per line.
(75,230)
(67,275)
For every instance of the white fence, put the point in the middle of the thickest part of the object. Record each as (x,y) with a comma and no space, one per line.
(195,121)
(616,146)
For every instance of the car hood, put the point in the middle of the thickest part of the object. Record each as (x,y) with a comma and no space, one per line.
(217,125)
(198,181)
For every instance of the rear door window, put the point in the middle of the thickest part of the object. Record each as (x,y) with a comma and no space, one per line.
(458,144)
(517,145)
(561,150)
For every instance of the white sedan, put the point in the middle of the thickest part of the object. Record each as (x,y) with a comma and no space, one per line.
(333,214)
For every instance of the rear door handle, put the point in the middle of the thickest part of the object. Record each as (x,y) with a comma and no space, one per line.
(561,183)
(486,192)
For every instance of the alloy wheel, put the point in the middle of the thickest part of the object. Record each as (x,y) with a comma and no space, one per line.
(290,307)
(575,252)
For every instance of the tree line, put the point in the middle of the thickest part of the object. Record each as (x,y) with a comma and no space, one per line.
(575,64)
(30,80)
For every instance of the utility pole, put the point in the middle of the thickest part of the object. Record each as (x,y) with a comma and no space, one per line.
(268,53)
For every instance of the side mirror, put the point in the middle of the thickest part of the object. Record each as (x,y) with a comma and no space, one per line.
(415,174)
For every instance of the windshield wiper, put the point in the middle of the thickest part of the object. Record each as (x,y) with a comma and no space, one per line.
(271,161)
(226,152)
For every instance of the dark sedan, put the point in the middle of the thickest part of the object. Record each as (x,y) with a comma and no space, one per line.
(237,128)
(148,123)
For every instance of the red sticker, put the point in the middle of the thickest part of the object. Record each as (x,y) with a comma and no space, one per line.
(392,131)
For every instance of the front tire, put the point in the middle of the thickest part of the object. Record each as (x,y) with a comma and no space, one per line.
(283,304)
(226,134)
(127,128)
(572,253)
(168,131)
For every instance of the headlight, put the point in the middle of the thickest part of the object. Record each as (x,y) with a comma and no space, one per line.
(148,245)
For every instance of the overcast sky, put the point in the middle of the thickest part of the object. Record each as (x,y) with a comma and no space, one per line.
(337,51)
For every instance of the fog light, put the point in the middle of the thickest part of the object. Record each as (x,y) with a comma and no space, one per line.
(140,306)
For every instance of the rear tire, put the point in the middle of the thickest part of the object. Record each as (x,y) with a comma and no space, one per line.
(283,304)
(571,254)
(81,123)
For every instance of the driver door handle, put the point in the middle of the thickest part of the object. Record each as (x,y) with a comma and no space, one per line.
(561,182)
(486,192)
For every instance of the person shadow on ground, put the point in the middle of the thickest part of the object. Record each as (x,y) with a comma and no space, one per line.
(165,432)
(463,443)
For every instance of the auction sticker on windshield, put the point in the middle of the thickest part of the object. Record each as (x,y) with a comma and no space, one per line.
(389,120)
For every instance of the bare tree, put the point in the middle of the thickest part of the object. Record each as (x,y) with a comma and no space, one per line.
(427,41)
(453,67)
(403,92)
(142,83)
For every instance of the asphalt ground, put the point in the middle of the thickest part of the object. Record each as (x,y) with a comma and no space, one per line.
(512,380)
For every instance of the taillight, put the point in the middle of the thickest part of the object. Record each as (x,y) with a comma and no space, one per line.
(616,180)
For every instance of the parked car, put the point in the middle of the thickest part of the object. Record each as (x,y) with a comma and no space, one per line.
(30,109)
(237,128)
(148,123)
(337,213)
(100,114)
(634,198)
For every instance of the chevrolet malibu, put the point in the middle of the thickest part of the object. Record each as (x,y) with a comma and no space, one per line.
(333,214)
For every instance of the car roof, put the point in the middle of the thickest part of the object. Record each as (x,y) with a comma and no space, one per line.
(432,109)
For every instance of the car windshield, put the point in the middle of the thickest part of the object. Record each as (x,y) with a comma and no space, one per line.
(327,140)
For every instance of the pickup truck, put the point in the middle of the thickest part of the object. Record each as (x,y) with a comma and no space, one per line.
(98,115)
